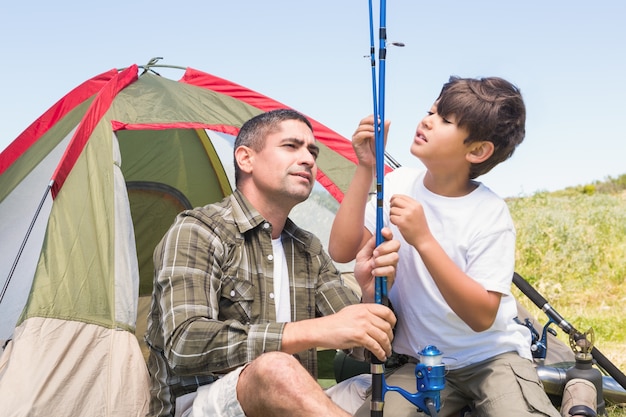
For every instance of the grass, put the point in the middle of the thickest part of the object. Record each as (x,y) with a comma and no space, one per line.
(571,247)
(325,368)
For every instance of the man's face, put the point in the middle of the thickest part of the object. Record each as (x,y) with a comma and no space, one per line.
(285,168)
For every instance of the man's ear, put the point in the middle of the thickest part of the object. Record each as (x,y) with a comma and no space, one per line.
(479,152)
(244,157)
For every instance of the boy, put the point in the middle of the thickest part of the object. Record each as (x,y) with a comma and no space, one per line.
(453,279)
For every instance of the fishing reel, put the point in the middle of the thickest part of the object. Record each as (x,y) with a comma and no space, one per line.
(430,380)
(539,344)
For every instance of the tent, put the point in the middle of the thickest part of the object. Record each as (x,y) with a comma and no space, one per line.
(86,192)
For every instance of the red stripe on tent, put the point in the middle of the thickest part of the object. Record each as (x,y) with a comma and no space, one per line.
(96,110)
(227,129)
(325,135)
(55,113)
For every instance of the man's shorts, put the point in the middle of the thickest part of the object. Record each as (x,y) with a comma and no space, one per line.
(219,399)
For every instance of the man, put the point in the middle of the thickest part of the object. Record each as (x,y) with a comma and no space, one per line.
(243,297)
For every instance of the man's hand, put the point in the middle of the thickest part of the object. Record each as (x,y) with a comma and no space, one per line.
(372,262)
(358,325)
(367,325)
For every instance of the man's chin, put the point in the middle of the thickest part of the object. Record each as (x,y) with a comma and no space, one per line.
(300,195)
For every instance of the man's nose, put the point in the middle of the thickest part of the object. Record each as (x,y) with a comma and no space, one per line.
(306,157)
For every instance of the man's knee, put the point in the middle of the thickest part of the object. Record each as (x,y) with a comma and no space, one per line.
(273,368)
(269,363)
(274,380)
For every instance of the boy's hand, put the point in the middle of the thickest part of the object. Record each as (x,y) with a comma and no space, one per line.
(364,143)
(372,262)
(408,215)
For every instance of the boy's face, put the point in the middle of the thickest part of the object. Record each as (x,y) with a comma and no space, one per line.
(438,142)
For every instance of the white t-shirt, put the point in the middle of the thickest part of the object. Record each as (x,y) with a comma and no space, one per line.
(478,234)
(281,283)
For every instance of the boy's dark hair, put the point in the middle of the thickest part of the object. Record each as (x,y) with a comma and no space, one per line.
(491,109)
(253,132)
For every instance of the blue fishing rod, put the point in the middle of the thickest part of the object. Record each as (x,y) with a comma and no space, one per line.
(380,292)
(379,130)
(429,373)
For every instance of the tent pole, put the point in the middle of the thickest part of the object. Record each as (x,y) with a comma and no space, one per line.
(23,245)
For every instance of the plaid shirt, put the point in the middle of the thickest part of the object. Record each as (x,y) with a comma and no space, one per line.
(212,306)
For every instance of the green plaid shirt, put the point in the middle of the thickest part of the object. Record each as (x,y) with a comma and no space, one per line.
(212,305)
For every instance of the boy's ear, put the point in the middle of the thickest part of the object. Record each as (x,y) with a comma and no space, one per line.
(479,152)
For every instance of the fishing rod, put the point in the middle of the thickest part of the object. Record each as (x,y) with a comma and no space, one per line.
(380,292)
(567,327)
(429,373)
(378,95)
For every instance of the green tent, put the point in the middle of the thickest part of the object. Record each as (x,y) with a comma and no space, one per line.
(86,191)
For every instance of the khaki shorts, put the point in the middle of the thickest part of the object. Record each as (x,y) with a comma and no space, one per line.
(505,385)
(219,399)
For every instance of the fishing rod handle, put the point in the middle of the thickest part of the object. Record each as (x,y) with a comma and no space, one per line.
(541,302)
(377,369)
(528,290)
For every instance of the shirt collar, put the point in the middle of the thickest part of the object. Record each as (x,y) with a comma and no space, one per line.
(247,217)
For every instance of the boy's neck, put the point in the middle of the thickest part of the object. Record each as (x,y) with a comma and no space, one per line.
(449,186)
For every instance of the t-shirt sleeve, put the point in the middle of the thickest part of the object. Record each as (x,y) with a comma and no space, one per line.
(491,257)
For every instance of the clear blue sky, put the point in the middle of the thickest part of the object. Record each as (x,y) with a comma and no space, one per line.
(567,57)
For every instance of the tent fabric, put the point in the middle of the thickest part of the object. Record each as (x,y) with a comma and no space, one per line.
(59,111)
(92,371)
(86,192)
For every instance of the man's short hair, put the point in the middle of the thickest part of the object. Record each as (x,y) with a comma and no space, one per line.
(253,132)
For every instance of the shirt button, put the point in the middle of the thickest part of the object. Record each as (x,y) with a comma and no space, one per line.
(232,293)
(266,225)
(270,257)
(272,295)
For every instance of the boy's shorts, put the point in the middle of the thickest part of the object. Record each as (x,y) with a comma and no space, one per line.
(219,399)
(505,385)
